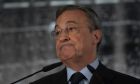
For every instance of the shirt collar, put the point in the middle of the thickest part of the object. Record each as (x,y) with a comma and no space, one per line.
(84,71)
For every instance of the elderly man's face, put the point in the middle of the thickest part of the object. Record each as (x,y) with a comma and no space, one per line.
(73,37)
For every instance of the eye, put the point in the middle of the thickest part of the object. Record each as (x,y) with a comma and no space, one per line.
(72,29)
(57,32)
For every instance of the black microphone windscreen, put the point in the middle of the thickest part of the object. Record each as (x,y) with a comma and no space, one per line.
(52,66)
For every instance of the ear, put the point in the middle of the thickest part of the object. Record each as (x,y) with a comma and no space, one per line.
(97,35)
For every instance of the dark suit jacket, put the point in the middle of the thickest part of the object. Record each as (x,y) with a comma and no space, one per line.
(102,75)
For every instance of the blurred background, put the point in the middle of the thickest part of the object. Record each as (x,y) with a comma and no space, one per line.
(26,44)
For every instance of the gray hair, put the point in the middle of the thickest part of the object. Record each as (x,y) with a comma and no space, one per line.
(90,13)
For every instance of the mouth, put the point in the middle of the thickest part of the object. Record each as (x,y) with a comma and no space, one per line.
(66,45)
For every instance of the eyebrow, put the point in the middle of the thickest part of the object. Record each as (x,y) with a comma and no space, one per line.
(71,22)
(66,23)
(55,27)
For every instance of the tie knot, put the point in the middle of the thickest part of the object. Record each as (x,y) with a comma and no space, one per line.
(77,77)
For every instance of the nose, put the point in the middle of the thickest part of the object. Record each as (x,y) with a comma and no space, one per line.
(64,37)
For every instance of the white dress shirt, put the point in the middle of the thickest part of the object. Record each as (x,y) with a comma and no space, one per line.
(84,71)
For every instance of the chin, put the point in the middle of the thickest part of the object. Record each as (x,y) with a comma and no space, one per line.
(65,58)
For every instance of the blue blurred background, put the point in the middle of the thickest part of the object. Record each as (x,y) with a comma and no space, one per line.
(26,44)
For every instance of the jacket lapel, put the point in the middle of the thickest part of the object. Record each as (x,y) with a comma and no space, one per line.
(61,77)
(101,75)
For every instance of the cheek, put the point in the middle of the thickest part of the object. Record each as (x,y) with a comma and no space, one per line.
(78,43)
(87,41)
(57,47)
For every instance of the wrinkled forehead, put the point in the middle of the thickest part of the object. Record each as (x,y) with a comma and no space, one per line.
(71,17)
(72,13)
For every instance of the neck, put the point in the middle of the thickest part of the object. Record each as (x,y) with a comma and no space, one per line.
(80,63)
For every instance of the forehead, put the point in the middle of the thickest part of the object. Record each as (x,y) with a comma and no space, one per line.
(75,16)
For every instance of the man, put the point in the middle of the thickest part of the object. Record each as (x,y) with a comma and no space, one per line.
(78,36)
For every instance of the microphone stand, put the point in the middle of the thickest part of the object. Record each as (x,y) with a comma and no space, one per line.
(27,77)
(44,69)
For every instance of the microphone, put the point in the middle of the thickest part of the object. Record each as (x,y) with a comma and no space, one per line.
(44,69)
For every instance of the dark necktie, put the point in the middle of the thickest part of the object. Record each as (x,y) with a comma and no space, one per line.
(77,77)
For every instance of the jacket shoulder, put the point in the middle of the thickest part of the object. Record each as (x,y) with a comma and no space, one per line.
(116,77)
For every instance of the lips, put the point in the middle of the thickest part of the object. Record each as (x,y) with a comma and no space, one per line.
(66,45)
